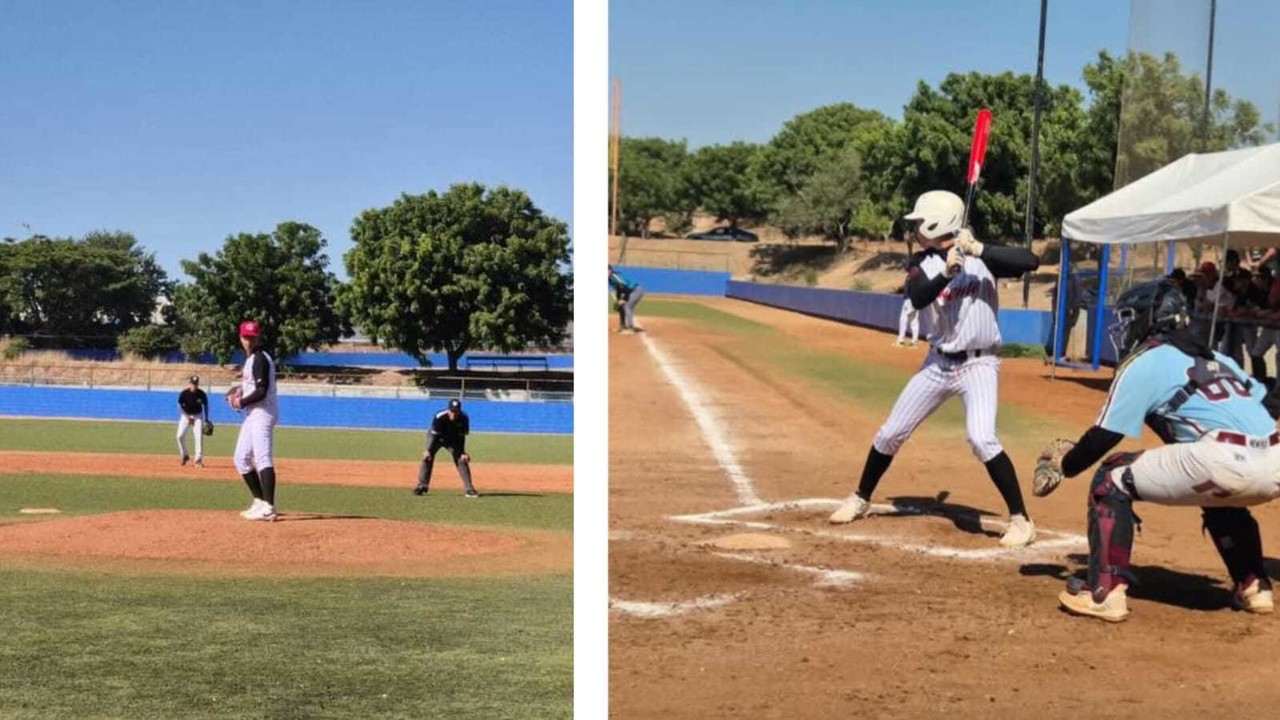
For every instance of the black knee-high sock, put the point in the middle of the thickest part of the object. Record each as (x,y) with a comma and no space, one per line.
(875,467)
(255,487)
(1005,477)
(268,478)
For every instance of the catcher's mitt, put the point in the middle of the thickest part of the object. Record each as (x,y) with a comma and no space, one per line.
(1049,467)
(207,428)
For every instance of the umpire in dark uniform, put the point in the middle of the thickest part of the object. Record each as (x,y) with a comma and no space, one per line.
(449,430)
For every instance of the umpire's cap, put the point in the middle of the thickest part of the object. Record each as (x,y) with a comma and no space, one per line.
(250,329)
(455,404)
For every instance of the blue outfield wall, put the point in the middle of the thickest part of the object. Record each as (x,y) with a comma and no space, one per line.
(334,359)
(680,282)
(295,410)
(878,310)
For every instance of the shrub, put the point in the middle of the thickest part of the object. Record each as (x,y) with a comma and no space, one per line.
(16,348)
(810,277)
(862,285)
(148,341)
(1022,350)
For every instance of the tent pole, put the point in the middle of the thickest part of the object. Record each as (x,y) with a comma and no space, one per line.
(1099,311)
(1217,296)
(1060,316)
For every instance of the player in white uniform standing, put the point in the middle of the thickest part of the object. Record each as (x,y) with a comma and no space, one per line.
(257,399)
(955,277)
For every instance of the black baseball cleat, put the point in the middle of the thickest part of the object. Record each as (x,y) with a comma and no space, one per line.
(420,490)
(185,459)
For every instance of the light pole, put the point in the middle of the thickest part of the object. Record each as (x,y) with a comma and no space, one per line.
(1035,149)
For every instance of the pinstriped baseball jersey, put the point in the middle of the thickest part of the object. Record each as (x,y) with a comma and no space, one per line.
(1149,379)
(963,317)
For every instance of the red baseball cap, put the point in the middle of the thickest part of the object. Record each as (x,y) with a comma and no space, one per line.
(250,329)
(1208,268)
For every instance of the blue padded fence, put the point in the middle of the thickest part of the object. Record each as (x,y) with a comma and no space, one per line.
(295,410)
(330,359)
(679,282)
(878,310)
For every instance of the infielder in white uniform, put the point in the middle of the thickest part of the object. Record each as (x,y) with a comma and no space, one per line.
(257,399)
(955,277)
(1222,453)
(909,317)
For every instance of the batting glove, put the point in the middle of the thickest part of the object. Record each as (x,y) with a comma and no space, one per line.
(968,244)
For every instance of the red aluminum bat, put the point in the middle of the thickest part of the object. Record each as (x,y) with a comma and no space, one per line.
(977,154)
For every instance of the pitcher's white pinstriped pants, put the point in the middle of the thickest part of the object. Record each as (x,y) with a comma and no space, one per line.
(976,381)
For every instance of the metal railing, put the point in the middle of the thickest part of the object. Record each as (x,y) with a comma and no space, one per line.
(101,376)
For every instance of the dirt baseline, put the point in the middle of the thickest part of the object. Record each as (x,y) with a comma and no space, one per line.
(206,542)
(360,473)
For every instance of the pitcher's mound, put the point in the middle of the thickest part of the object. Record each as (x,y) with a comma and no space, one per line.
(296,544)
(749,541)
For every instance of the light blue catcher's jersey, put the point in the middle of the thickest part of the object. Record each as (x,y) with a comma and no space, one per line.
(1150,379)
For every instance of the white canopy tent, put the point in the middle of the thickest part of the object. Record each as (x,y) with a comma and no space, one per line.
(1216,197)
(1230,197)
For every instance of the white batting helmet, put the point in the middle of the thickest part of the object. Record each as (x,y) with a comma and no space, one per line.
(939,213)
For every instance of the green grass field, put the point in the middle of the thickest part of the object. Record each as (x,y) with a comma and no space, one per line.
(767,352)
(114,437)
(80,644)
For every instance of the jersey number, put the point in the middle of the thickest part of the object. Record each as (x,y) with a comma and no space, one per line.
(1222,388)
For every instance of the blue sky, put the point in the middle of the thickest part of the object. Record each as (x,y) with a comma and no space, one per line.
(714,71)
(185,122)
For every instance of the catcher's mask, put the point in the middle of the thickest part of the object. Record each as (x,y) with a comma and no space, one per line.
(1147,310)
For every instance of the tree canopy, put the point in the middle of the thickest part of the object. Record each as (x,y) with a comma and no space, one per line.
(469,268)
(83,292)
(281,279)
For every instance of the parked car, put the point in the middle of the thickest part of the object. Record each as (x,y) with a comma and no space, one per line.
(725,233)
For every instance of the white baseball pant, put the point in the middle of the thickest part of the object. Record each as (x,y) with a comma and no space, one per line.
(909,317)
(195,422)
(254,444)
(1206,473)
(976,381)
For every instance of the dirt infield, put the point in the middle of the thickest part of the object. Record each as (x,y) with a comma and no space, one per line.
(911,613)
(361,473)
(295,545)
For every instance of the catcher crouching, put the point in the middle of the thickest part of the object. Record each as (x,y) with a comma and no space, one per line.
(1221,453)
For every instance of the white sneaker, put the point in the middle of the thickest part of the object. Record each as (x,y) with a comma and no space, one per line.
(1020,532)
(264,512)
(254,508)
(853,508)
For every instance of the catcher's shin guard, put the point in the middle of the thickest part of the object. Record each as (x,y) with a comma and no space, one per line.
(1235,535)
(1110,535)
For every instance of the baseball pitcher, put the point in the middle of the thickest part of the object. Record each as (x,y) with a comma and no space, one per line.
(255,396)
(1222,452)
(955,278)
(449,429)
(193,412)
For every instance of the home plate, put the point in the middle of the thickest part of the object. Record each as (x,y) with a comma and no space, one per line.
(749,541)
(39,511)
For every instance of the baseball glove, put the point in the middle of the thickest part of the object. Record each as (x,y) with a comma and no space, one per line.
(207,428)
(955,261)
(1049,467)
(968,244)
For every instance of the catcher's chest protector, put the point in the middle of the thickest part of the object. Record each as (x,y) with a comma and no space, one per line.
(1210,377)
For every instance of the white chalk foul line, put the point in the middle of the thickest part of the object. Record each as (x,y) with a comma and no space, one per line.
(706,417)
(1049,539)
(826,576)
(670,609)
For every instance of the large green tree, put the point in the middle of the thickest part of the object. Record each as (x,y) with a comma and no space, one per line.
(281,279)
(82,292)
(470,268)
(831,203)
(810,139)
(724,180)
(649,183)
